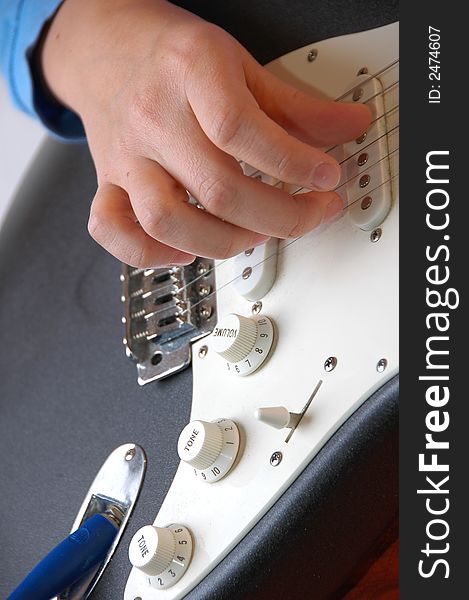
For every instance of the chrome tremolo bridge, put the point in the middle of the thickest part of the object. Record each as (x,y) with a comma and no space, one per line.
(164,311)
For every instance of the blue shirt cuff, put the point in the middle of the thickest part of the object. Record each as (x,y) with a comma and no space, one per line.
(21,23)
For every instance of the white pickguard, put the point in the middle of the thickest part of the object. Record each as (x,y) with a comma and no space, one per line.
(336,294)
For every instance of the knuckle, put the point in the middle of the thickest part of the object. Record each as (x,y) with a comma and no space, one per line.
(286,167)
(99,230)
(299,226)
(217,196)
(155,218)
(225,127)
(137,257)
(144,108)
(95,226)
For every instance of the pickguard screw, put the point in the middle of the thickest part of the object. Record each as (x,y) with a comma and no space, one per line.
(203,350)
(381,365)
(249,251)
(330,363)
(362,71)
(376,235)
(256,307)
(247,272)
(366,202)
(276,459)
(312,55)
(129,454)
(357,94)
(206,312)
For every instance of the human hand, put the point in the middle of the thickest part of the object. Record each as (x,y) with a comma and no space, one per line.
(169,103)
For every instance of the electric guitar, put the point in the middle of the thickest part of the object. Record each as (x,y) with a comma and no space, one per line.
(281,471)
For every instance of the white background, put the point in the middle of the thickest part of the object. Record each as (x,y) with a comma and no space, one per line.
(20,137)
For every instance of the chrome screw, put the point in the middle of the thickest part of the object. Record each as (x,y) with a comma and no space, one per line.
(381,365)
(203,350)
(249,251)
(376,235)
(206,312)
(202,268)
(204,290)
(129,454)
(357,94)
(362,71)
(247,273)
(276,459)
(312,55)
(256,307)
(330,363)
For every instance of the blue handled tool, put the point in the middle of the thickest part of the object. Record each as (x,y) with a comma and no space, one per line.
(82,550)
(77,563)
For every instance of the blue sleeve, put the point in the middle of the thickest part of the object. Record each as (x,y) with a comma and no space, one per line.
(21,23)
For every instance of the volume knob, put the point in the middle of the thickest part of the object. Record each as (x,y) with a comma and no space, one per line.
(234,337)
(244,343)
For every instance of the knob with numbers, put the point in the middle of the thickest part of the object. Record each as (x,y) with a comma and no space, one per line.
(209,447)
(161,553)
(243,342)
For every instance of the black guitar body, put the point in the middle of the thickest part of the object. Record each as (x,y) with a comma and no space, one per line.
(68,395)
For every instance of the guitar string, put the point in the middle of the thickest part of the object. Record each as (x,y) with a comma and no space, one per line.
(286,245)
(375,75)
(280,250)
(369,167)
(302,190)
(150,271)
(366,193)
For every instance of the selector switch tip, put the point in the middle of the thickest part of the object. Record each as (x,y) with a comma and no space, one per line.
(275,416)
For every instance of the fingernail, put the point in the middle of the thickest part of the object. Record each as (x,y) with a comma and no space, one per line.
(183,262)
(326,176)
(260,239)
(333,210)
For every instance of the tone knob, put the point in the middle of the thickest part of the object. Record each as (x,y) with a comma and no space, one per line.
(152,549)
(209,447)
(162,553)
(234,337)
(200,444)
(243,342)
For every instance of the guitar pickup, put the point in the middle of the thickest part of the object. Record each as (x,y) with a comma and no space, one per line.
(165,310)
(368,161)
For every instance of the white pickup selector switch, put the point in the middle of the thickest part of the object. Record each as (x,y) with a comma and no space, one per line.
(243,342)
(161,553)
(209,447)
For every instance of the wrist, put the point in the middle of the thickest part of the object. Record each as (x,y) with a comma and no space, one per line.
(79,54)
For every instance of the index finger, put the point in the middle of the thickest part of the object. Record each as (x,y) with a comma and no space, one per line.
(230,117)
